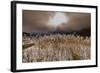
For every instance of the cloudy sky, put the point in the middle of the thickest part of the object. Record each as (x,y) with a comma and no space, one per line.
(46,21)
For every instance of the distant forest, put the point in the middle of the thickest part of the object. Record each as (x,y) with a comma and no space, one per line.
(84,32)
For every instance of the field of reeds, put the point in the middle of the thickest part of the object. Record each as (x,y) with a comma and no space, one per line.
(55,47)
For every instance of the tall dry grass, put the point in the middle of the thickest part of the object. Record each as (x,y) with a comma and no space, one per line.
(55,47)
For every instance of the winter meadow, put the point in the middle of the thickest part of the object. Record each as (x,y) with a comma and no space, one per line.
(56,48)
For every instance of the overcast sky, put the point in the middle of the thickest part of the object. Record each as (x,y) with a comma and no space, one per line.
(44,21)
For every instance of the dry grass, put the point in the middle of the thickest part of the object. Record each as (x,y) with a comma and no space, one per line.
(56,48)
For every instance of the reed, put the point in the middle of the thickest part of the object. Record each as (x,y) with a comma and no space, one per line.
(56,47)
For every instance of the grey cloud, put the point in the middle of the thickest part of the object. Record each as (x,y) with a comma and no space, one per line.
(34,21)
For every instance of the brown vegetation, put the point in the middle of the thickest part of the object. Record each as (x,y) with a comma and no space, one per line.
(55,47)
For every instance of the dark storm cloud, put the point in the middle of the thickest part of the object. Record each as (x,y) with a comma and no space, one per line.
(37,21)
(77,21)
